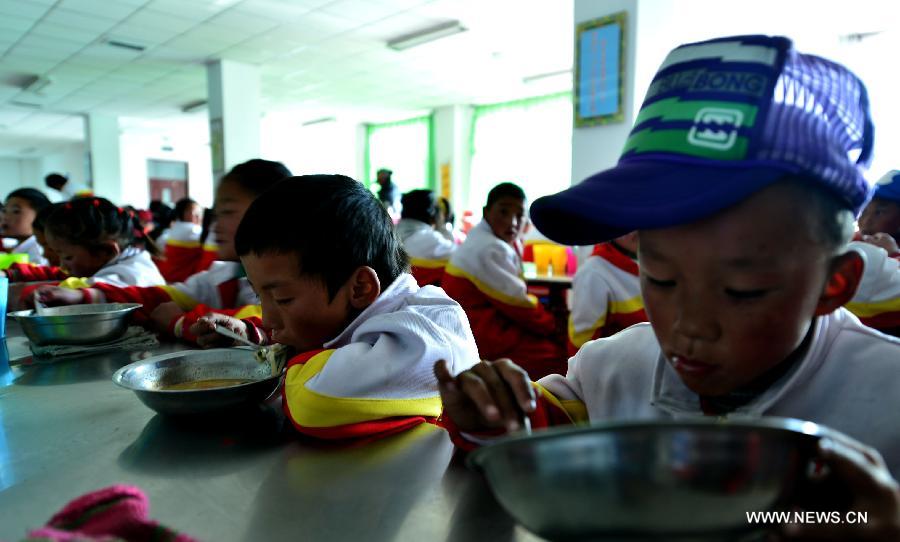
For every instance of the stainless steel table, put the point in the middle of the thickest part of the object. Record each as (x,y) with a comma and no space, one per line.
(66,429)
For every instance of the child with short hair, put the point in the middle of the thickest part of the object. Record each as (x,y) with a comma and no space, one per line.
(19,212)
(428,250)
(744,200)
(220,295)
(606,292)
(332,277)
(485,276)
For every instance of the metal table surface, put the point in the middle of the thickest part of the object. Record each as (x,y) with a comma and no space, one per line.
(66,429)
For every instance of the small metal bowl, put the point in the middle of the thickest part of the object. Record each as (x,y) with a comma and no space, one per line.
(150,377)
(663,480)
(76,324)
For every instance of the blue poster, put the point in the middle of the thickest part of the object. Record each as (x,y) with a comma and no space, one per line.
(598,82)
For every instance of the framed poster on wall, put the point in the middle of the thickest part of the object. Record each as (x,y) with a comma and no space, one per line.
(600,71)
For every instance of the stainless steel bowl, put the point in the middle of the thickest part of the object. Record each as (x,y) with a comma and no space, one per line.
(148,377)
(654,480)
(76,324)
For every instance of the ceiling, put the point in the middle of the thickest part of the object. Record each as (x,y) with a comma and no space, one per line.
(317,58)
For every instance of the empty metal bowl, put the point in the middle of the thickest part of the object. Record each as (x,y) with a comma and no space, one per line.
(152,379)
(76,324)
(650,480)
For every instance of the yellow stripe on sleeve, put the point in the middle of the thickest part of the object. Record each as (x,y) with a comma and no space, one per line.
(529,303)
(184,301)
(75,283)
(249,311)
(575,409)
(312,409)
(873,308)
(427,264)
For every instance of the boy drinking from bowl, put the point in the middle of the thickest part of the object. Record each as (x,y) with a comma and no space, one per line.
(334,285)
(743,195)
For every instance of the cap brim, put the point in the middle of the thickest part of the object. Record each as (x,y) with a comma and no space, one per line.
(644,195)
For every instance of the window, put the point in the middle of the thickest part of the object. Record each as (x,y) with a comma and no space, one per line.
(403,147)
(528,142)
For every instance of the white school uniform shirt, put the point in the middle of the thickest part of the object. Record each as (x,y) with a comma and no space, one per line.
(423,242)
(203,287)
(493,265)
(848,380)
(34,250)
(393,344)
(879,287)
(132,267)
(182,232)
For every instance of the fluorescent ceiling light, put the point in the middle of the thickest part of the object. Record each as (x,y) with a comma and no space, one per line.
(196,105)
(318,121)
(36,84)
(426,35)
(540,76)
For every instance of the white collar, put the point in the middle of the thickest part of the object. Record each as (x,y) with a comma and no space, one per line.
(402,287)
(670,394)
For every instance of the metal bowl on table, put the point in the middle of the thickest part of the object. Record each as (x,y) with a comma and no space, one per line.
(76,324)
(665,480)
(199,381)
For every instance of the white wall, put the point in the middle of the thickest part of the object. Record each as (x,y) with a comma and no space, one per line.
(598,147)
(69,160)
(189,143)
(17,173)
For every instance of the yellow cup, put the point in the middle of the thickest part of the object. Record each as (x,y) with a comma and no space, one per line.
(7,260)
(558,259)
(542,255)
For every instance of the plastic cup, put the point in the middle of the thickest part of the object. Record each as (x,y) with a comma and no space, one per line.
(542,255)
(558,259)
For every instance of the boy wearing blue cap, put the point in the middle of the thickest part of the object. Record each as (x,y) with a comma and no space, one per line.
(738,177)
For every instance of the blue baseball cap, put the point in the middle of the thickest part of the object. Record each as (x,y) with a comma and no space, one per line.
(888,187)
(721,120)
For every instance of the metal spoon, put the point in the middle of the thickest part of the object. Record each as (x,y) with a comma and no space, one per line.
(232,335)
(39,307)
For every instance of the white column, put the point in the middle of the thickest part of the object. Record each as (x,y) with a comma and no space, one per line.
(102,135)
(234,113)
(452,156)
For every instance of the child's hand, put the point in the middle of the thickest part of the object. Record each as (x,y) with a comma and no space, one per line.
(872,490)
(205,330)
(163,315)
(882,240)
(490,395)
(54,296)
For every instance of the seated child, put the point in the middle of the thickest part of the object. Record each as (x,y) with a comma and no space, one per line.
(743,214)
(445,223)
(877,299)
(96,243)
(428,250)
(485,276)
(222,291)
(332,278)
(29,272)
(879,222)
(606,292)
(19,212)
(181,243)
